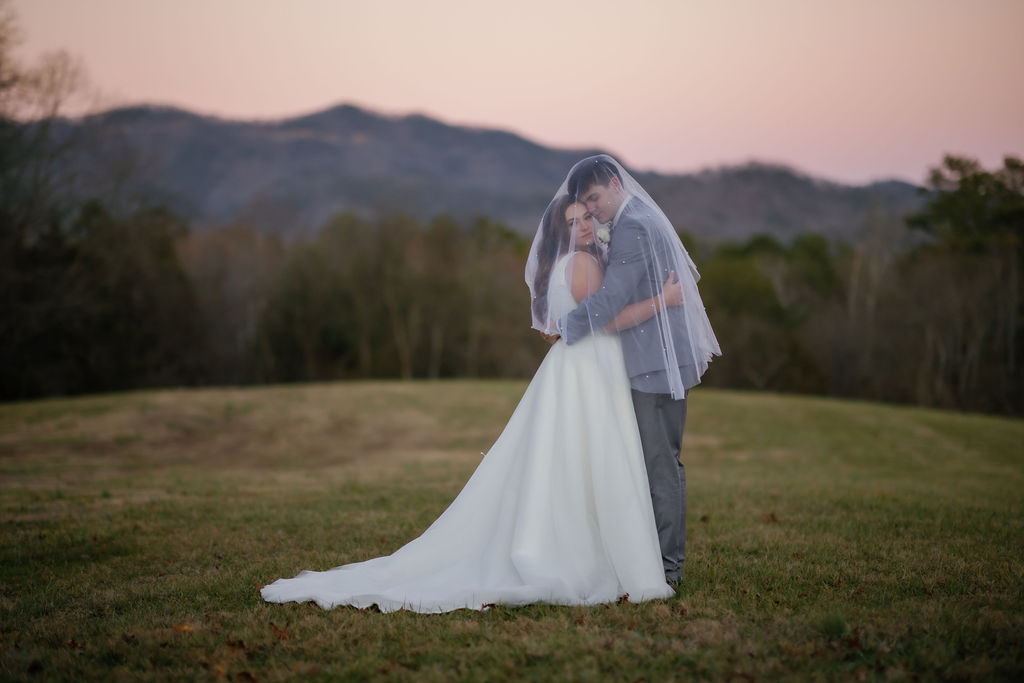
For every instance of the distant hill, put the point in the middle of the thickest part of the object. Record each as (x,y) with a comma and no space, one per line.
(290,176)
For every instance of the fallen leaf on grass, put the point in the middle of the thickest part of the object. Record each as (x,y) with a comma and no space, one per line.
(854,641)
(770,518)
(282,633)
(184,628)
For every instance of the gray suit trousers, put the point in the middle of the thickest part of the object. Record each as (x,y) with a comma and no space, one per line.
(661,421)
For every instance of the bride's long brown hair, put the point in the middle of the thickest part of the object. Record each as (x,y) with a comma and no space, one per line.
(554,242)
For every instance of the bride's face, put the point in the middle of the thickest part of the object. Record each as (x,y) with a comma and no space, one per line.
(581,225)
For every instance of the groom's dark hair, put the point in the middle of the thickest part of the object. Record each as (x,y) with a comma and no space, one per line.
(590,172)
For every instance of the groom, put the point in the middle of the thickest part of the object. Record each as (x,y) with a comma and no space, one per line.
(633,274)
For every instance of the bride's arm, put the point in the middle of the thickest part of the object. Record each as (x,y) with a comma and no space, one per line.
(585,278)
(634,314)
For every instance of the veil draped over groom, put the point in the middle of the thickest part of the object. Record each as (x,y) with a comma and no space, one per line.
(665,354)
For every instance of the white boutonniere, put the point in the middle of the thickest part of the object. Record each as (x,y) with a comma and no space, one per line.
(604,235)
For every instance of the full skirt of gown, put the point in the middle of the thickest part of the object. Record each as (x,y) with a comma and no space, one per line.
(558,511)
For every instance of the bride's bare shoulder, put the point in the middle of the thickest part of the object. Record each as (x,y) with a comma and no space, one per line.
(584,259)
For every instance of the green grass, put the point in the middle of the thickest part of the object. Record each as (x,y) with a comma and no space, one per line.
(827,540)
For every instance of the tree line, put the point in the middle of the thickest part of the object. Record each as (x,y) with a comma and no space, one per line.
(925,310)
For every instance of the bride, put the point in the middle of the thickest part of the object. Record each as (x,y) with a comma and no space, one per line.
(559,510)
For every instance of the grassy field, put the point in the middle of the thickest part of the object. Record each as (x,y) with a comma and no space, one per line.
(827,540)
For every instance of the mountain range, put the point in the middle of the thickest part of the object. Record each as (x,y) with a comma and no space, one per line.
(289,176)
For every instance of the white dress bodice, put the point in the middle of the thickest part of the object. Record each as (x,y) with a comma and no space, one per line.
(560,300)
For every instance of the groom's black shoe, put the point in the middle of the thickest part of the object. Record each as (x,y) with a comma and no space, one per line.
(673,582)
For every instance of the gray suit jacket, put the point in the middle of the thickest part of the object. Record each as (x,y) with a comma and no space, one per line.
(638,265)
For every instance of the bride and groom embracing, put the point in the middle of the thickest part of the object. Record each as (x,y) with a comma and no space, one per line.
(582,498)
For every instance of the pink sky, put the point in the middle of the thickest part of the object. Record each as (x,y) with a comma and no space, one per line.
(851,91)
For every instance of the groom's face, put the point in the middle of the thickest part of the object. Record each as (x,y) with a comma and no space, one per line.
(603,201)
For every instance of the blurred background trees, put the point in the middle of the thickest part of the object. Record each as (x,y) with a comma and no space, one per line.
(924,311)
(968,281)
(929,315)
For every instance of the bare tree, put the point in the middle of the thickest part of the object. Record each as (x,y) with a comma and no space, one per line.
(32,148)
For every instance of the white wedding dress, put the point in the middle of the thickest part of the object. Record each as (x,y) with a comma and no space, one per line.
(558,511)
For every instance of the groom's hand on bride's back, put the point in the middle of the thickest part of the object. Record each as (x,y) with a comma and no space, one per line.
(672,290)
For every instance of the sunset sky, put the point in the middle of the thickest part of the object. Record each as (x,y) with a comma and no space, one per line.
(850,91)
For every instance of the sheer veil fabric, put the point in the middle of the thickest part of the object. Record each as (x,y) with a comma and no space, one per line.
(668,348)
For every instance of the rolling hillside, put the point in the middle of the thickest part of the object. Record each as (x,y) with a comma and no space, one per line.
(827,540)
